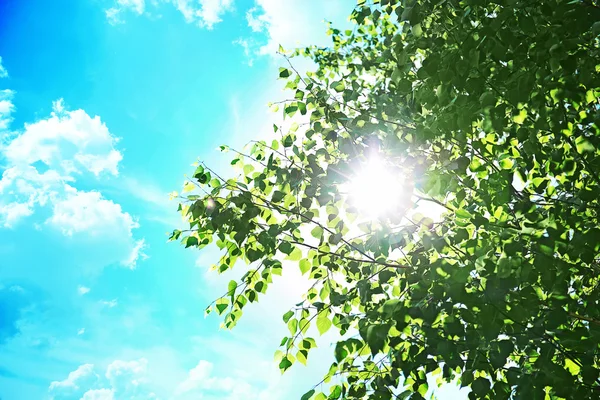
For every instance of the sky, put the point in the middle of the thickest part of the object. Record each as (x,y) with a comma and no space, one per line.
(104,106)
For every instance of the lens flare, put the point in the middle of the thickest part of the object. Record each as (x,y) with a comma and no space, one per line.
(377,189)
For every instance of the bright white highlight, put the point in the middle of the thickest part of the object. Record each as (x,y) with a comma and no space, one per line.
(376,189)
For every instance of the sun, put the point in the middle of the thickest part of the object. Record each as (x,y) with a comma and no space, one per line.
(377,189)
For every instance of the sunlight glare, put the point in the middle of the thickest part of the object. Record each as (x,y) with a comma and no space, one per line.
(375,190)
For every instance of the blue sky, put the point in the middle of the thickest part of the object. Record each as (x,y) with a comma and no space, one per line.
(104,104)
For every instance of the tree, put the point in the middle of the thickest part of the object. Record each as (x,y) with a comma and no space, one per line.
(491,110)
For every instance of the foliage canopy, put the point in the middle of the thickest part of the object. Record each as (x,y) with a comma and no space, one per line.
(490,109)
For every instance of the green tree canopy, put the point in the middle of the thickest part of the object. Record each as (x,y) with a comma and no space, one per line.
(489,109)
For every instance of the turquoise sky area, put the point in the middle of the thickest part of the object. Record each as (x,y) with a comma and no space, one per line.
(104,106)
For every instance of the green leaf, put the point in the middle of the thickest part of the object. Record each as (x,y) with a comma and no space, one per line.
(301,356)
(376,337)
(466,378)
(191,241)
(284,73)
(390,307)
(323,323)
(480,386)
(596,28)
(285,364)
(221,308)
(277,196)
(308,395)
(287,316)
(304,266)
(286,247)
(504,267)
(573,368)
(584,145)
(231,287)
(336,392)
(338,86)
(188,187)
(199,171)
(417,30)
(293,326)
(317,232)
(248,168)
(295,255)
(488,99)
(463,214)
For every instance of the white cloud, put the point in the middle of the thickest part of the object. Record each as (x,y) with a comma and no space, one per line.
(135,5)
(206,13)
(286,22)
(137,253)
(252,378)
(82,377)
(198,377)
(78,211)
(210,11)
(110,303)
(6,107)
(84,216)
(129,379)
(22,188)
(256,22)
(122,380)
(45,162)
(69,142)
(261,383)
(247,45)
(3,71)
(113,14)
(83,290)
(132,380)
(292,23)
(98,394)
(13,212)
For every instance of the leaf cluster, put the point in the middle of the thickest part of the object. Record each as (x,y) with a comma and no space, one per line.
(492,108)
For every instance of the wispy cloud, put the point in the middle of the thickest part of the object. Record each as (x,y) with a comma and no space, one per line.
(154,203)
(122,379)
(6,105)
(132,380)
(204,13)
(113,14)
(109,303)
(248,45)
(6,108)
(83,290)
(3,71)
